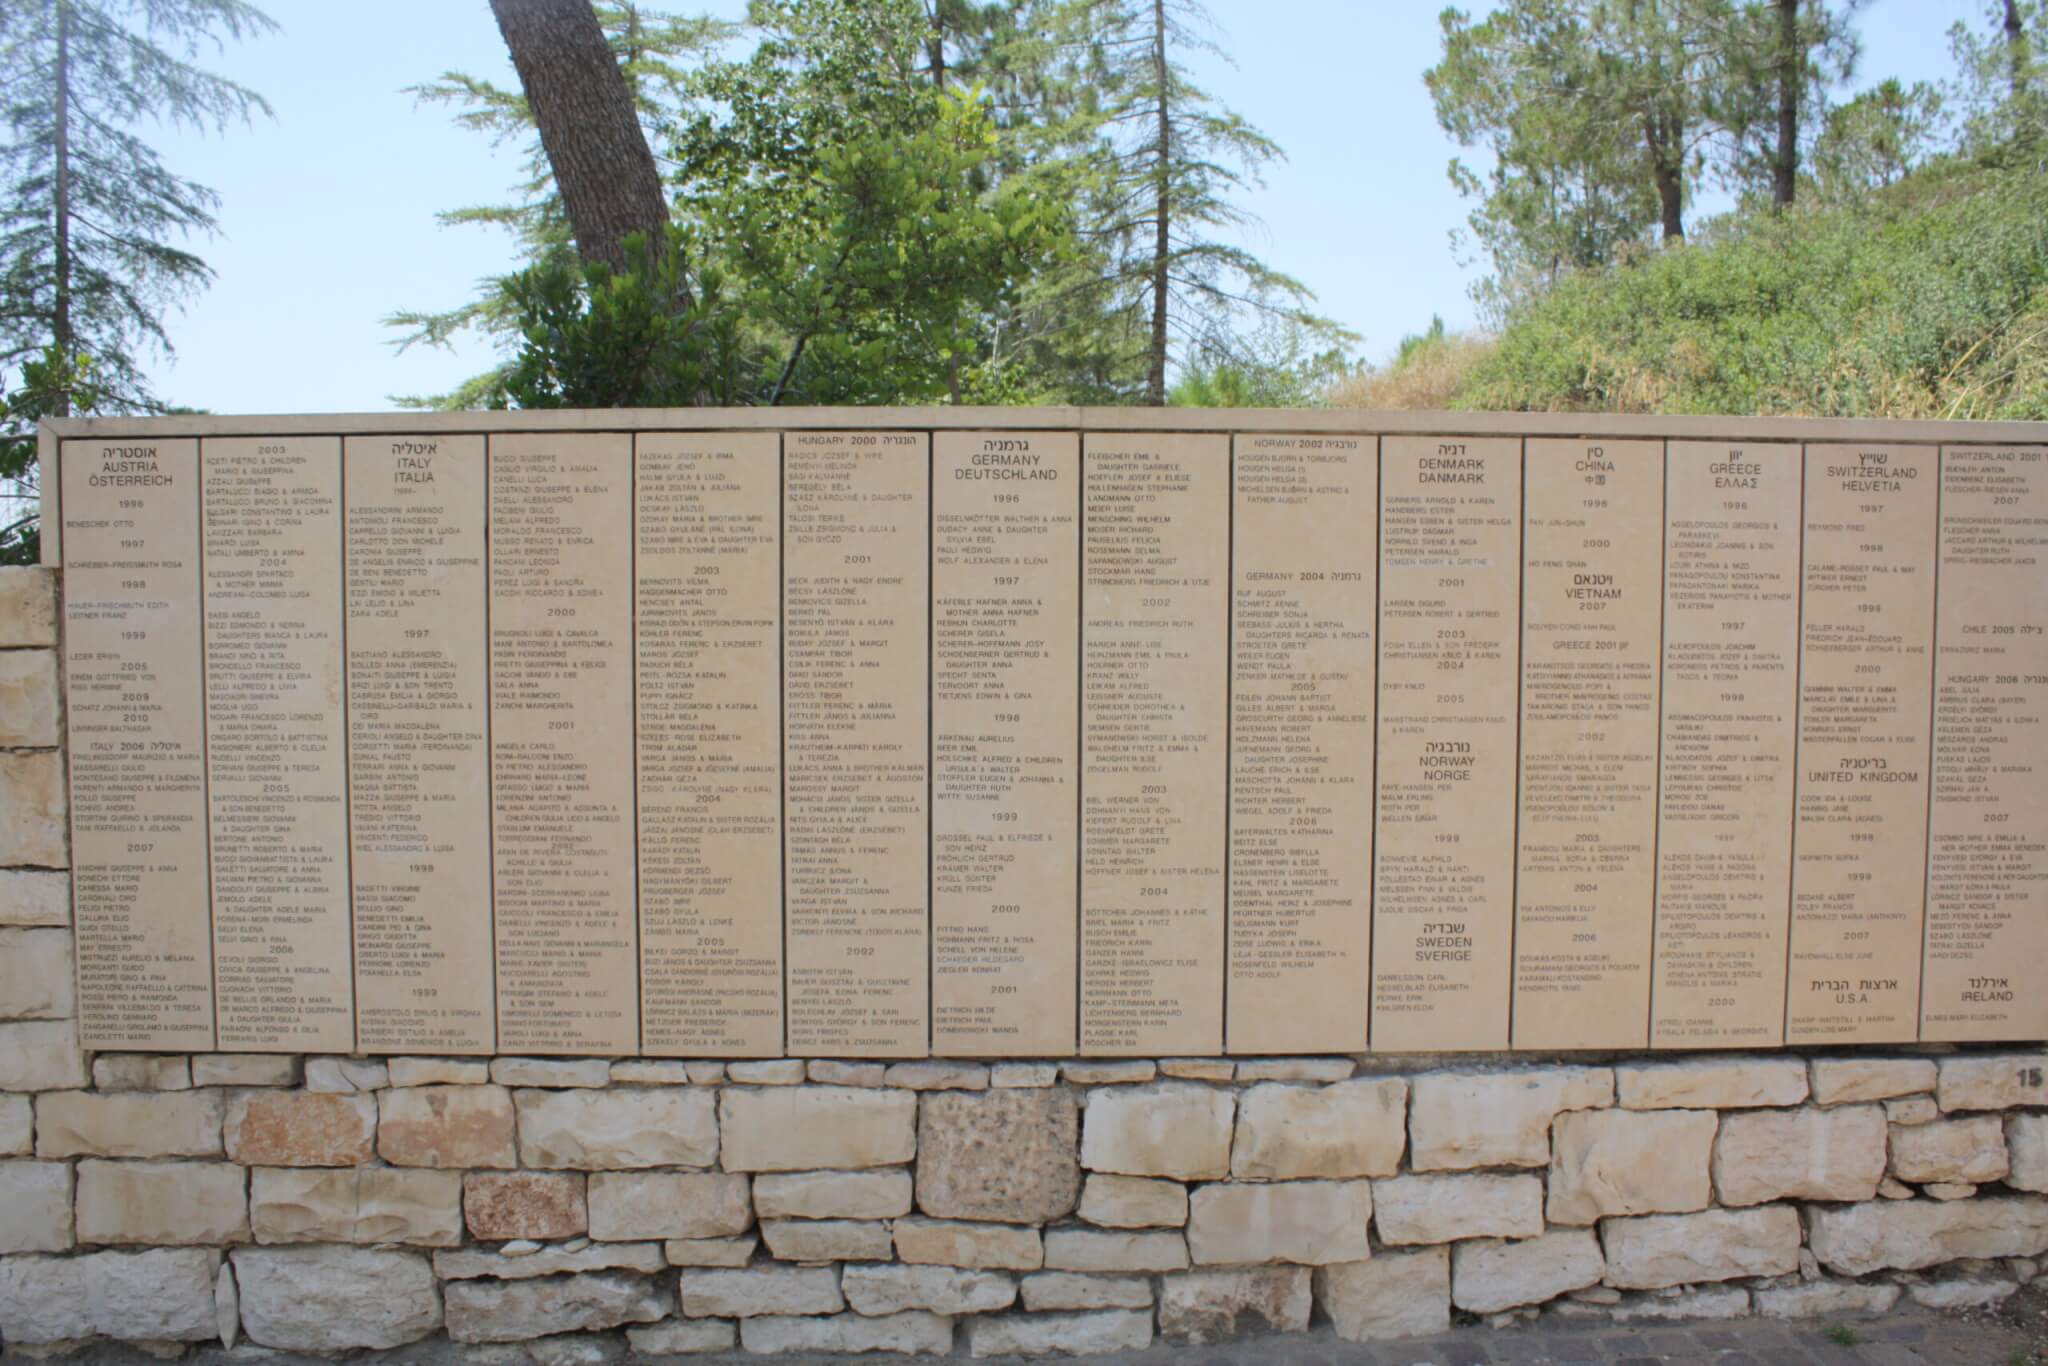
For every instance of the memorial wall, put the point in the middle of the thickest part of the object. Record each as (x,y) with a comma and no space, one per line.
(1019,735)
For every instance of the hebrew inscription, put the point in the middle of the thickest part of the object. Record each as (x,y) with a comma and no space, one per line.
(1450,652)
(135,704)
(1303,653)
(998,736)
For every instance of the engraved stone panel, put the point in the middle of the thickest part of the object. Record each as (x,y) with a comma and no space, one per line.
(1586,864)
(708,659)
(418,732)
(1304,646)
(1860,843)
(856,710)
(1987,878)
(277,782)
(1731,700)
(1450,649)
(1155,713)
(1006,602)
(562,742)
(136,710)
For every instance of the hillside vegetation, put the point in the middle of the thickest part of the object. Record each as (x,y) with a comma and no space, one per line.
(1928,298)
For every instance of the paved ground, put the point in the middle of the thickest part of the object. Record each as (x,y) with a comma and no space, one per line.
(2014,1335)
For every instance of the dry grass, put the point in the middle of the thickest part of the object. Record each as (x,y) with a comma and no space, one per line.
(1429,379)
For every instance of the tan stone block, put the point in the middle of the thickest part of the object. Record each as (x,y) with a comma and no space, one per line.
(630,1206)
(1198,1307)
(161,1295)
(516,1311)
(1295,1069)
(446,1126)
(710,1251)
(1395,1295)
(31,897)
(1843,1081)
(1133,1202)
(1962,1292)
(934,1074)
(128,1124)
(1663,1250)
(682,1337)
(1462,1120)
(300,1129)
(1177,1129)
(355,1205)
(28,605)
(555,1072)
(1628,1162)
(998,1156)
(1912,1110)
(911,1333)
(1830,1298)
(35,973)
(893,1289)
(827,1072)
(1804,1154)
(1310,1223)
(810,1128)
(766,1072)
(826,1240)
(1088,1249)
(2026,1140)
(1048,1291)
(35,1207)
(705,1073)
(1992,1081)
(244,1069)
(437,1071)
(346,1076)
(539,1205)
(1487,1277)
(164,1204)
(476,1264)
(617,1130)
(945,1242)
(1905,1235)
(1438,1209)
(1023,1074)
(1348,1128)
(877,1194)
(28,699)
(1949,1190)
(17,1126)
(1950,1150)
(32,813)
(41,1055)
(1721,1302)
(1113,1072)
(1732,1083)
(745,1293)
(1198,1069)
(141,1072)
(1038,1335)
(664,1072)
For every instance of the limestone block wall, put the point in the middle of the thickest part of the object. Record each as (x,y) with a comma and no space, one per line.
(324,1203)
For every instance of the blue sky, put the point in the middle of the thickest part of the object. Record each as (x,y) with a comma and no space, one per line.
(327,219)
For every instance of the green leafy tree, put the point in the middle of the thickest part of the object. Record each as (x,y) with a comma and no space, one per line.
(2001,90)
(1877,139)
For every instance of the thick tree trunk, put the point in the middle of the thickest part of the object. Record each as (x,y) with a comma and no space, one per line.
(60,178)
(2016,55)
(1155,380)
(1663,146)
(584,110)
(1791,70)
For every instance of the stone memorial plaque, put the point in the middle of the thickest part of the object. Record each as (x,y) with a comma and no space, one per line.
(135,709)
(1987,874)
(1859,869)
(1592,645)
(562,742)
(1155,719)
(1304,647)
(418,743)
(1006,716)
(708,659)
(277,757)
(1449,675)
(856,526)
(1731,702)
